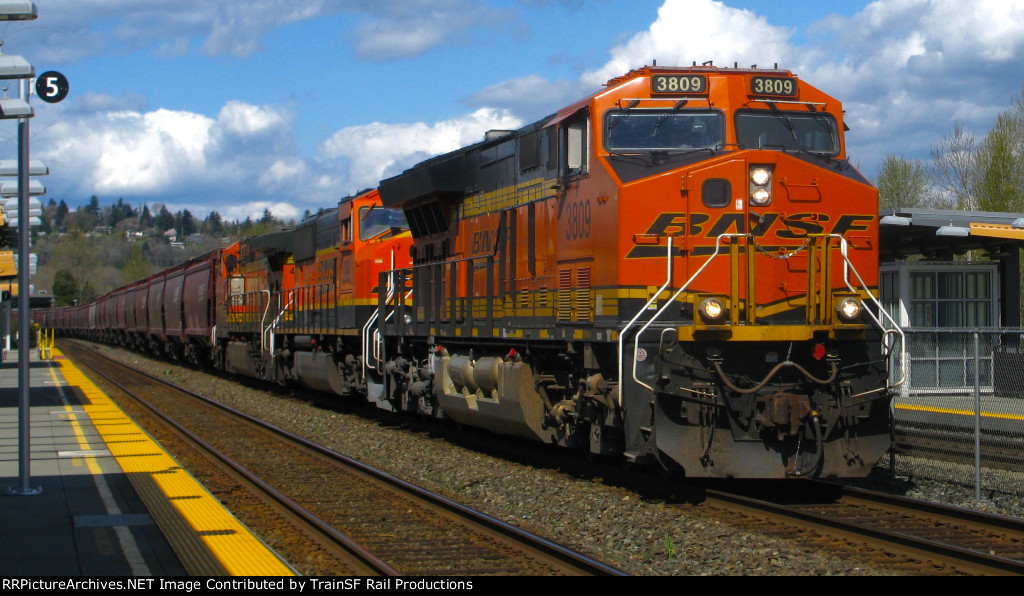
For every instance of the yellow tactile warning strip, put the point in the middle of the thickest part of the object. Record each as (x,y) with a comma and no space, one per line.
(206,537)
(958,412)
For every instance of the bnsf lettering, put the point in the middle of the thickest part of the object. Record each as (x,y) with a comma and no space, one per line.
(729,223)
(852,223)
(800,225)
(789,227)
(482,242)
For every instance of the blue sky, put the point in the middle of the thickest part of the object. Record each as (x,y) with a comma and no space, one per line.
(240,106)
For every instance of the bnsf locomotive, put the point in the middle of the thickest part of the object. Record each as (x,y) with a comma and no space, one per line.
(678,270)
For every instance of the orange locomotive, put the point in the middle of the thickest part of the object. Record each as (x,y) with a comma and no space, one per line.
(677,270)
(296,301)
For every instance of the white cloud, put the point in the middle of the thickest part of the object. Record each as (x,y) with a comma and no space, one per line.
(698,30)
(905,69)
(181,158)
(532,96)
(389,29)
(375,151)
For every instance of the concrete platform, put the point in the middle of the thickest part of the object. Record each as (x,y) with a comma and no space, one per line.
(103,498)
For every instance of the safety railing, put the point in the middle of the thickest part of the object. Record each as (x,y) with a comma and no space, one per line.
(960,416)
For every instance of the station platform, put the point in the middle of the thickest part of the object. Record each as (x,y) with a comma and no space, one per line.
(103,498)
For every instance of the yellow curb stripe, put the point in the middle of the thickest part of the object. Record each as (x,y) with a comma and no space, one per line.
(959,412)
(206,537)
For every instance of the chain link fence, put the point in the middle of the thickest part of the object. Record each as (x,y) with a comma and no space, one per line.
(959,416)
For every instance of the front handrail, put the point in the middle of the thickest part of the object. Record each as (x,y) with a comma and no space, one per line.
(668,303)
(622,333)
(848,267)
(894,330)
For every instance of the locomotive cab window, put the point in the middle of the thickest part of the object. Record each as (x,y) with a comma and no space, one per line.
(814,132)
(374,221)
(629,131)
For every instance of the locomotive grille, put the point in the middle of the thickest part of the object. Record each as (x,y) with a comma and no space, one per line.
(564,305)
(583,294)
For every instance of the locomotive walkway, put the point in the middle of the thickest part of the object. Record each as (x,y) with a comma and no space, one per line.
(112,502)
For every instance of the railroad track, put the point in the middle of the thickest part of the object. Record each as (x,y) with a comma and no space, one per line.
(323,512)
(909,535)
(998,450)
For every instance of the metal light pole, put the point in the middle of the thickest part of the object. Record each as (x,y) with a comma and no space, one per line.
(21,10)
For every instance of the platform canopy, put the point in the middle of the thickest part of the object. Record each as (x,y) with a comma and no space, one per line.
(941,234)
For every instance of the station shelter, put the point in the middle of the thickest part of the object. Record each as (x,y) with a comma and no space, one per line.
(946,277)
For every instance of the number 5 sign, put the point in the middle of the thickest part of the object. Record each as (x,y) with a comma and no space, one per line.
(51,86)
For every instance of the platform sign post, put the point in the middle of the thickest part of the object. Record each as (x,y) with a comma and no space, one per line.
(16,67)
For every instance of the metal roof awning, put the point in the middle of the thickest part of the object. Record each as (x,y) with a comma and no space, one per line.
(941,234)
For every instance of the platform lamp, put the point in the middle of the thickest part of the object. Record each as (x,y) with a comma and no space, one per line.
(17,68)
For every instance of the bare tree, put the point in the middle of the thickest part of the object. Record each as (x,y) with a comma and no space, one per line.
(953,162)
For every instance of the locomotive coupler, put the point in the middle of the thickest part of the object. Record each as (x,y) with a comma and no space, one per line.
(784,412)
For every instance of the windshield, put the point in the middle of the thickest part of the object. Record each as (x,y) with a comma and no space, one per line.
(374,221)
(787,130)
(655,130)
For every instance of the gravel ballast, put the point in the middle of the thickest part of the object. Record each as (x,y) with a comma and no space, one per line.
(604,519)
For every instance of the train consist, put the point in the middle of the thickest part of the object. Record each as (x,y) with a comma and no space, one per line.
(678,271)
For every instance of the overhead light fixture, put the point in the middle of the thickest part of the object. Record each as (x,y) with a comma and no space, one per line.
(10,189)
(9,167)
(13,107)
(894,220)
(15,67)
(957,231)
(18,10)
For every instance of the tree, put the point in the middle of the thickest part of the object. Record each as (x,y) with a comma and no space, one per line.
(187,227)
(146,218)
(65,288)
(214,224)
(986,175)
(163,220)
(953,164)
(1000,165)
(60,215)
(137,266)
(902,183)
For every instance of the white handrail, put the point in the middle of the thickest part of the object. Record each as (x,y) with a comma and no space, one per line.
(622,333)
(671,300)
(264,320)
(844,250)
(848,266)
(369,341)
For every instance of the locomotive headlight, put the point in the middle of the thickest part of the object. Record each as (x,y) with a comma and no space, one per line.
(760,176)
(711,309)
(760,186)
(848,309)
(760,196)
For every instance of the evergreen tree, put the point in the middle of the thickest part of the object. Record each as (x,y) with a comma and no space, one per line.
(164,220)
(214,224)
(60,216)
(146,219)
(188,224)
(65,288)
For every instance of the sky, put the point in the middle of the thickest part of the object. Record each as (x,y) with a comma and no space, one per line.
(239,106)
